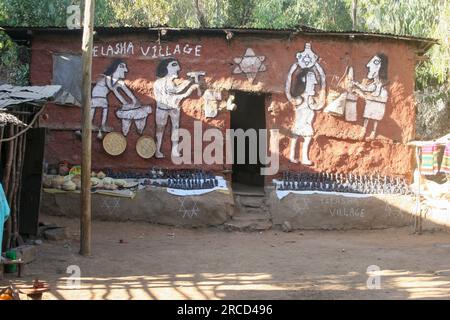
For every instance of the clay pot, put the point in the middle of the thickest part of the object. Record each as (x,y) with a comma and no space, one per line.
(63,168)
(47,183)
(101,175)
(57,182)
(69,186)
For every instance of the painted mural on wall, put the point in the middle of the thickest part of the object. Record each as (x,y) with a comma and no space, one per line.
(169,96)
(305,99)
(372,90)
(131,110)
(249,64)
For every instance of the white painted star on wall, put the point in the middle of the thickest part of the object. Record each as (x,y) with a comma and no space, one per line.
(249,64)
(188,206)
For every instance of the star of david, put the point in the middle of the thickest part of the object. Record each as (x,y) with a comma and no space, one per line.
(302,207)
(188,206)
(111,204)
(249,64)
(392,210)
(307,60)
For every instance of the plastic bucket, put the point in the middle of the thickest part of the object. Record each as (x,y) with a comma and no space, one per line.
(11,268)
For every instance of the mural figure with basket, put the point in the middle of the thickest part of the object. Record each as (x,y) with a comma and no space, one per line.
(112,80)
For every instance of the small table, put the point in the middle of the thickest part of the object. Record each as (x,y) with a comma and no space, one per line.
(20,265)
(35,293)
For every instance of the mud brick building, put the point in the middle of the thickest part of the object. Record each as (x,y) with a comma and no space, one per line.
(332,102)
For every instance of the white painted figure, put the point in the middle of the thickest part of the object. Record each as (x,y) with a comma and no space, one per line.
(374,91)
(168,97)
(302,97)
(112,80)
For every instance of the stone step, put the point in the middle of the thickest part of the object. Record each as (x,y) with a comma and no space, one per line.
(252,217)
(251,201)
(237,225)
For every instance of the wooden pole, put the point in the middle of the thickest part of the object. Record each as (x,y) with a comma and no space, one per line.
(85,221)
(354,9)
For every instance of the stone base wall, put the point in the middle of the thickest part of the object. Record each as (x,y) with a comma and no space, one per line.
(302,211)
(155,206)
(318,211)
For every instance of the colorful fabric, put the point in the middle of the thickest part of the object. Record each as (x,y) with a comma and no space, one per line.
(429,162)
(445,166)
(4,213)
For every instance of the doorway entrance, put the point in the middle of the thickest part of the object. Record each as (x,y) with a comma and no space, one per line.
(249,114)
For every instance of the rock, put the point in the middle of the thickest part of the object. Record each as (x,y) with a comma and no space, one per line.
(443,273)
(38,242)
(286,226)
(56,234)
(26,252)
(43,227)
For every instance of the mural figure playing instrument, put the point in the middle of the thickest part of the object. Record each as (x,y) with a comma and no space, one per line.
(168,96)
(112,80)
(302,97)
(374,92)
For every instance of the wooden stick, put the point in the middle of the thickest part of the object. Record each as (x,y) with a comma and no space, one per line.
(11,177)
(20,156)
(9,159)
(2,129)
(85,223)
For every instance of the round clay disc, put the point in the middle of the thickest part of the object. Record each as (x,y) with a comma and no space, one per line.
(114,143)
(145,147)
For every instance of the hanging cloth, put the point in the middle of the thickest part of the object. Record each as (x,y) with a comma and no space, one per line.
(445,166)
(429,162)
(4,213)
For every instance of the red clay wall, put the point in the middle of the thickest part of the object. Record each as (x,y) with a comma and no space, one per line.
(334,147)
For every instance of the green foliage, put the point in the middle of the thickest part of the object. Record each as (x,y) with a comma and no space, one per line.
(408,17)
(11,70)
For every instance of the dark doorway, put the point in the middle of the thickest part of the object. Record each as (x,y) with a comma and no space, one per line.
(30,197)
(250,114)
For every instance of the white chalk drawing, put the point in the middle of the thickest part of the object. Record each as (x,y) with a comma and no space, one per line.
(302,206)
(188,206)
(345,104)
(111,204)
(303,97)
(215,102)
(374,92)
(351,212)
(211,105)
(168,96)
(230,105)
(249,64)
(145,50)
(112,80)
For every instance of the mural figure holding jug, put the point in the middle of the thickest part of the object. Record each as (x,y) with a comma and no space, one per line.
(302,97)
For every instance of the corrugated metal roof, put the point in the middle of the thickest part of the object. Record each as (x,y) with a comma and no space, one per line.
(28,31)
(14,95)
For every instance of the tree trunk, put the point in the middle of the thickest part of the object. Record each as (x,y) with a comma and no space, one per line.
(200,16)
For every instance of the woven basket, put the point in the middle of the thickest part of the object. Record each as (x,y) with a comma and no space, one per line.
(114,143)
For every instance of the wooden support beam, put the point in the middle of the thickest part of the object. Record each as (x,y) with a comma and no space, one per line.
(85,221)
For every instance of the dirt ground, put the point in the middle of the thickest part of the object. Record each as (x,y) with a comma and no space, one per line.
(160,262)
